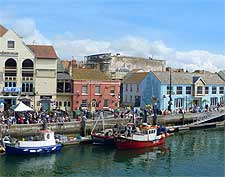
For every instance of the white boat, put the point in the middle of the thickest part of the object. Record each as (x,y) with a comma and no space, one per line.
(46,144)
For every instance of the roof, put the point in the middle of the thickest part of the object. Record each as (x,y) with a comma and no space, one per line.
(89,74)
(188,78)
(64,76)
(222,75)
(43,51)
(134,78)
(3,30)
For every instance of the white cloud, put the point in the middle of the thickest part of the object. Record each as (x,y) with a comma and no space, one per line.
(67,46)
(27,29)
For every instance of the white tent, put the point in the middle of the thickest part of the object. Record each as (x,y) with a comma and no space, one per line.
(21,107)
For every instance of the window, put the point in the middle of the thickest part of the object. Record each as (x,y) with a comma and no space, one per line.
(221,100)
(213,101)
(179,102)
(221,90)
(11,44)
(60,103)
(206,90)
(65,104)
(168,90)
(10,84)
(179,90)
(112,90)
(84,103)
(131,89)
(213,90)
(27,87)
(106,103)
(97,90)
(188,90)
(126,98)
(68,103)
(137,87)
(60,86)
(68,87)
(126,87)
(199,90)
(131,98)
(84,90)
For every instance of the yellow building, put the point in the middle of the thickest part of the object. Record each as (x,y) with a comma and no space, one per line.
(27,72)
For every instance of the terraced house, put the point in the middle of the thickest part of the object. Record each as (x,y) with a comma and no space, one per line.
(186,89)
(93,90)
(27,72)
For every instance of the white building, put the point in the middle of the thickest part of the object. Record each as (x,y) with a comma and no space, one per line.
(27,72)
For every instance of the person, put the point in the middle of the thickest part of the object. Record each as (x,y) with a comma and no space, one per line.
(101,114)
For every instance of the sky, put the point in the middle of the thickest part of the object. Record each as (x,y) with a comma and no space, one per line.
(188,34)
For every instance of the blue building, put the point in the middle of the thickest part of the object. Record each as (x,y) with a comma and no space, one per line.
(187,89)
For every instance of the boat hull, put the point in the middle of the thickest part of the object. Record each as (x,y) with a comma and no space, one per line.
(32,150)
(102,140)
(125,143)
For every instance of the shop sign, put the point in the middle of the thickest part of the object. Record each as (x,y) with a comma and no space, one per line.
(11,89)
(45,97)
(12,54)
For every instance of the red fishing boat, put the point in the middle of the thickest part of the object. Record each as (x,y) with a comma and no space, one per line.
(147,136)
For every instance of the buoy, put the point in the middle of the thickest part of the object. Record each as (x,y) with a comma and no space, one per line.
(2,149)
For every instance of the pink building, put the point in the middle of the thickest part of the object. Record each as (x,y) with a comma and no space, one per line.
(93,90)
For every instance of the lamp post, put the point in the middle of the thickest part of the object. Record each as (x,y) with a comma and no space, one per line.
(170,93)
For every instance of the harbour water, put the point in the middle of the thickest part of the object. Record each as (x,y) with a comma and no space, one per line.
(193,153)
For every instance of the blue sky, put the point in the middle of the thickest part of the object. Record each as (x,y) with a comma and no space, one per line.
(181,25)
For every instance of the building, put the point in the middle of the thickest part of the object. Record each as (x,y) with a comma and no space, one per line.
(64,89)
(26,71)
(131,92)
(93,90)
(187,89)
(117,66)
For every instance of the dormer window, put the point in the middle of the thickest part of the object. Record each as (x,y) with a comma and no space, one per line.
(11,44)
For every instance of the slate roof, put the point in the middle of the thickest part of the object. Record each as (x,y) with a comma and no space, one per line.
(43,51)
(89,74)
(187,78)
(222,75)
(3,30)
(64,76)
(134,78)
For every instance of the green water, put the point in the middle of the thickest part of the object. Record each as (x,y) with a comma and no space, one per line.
(195,153)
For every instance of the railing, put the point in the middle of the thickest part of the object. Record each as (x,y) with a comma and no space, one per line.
(206,117)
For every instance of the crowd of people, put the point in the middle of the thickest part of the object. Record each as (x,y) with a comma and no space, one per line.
(10,117)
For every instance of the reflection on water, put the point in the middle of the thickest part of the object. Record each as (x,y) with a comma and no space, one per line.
(27,164)
(138,155)
(196,153)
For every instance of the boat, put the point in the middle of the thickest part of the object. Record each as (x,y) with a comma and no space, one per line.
(104,137)
(45,143)
(147,136)
(68,140)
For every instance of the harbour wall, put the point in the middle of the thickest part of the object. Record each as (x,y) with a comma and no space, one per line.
(75,127)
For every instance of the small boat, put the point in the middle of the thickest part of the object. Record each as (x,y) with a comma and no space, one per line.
(104,137)
(65,140)
(147,136)
(45,144)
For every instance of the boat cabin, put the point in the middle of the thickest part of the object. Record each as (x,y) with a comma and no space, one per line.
(47,135)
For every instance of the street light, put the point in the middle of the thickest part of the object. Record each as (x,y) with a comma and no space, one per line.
(170,93)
